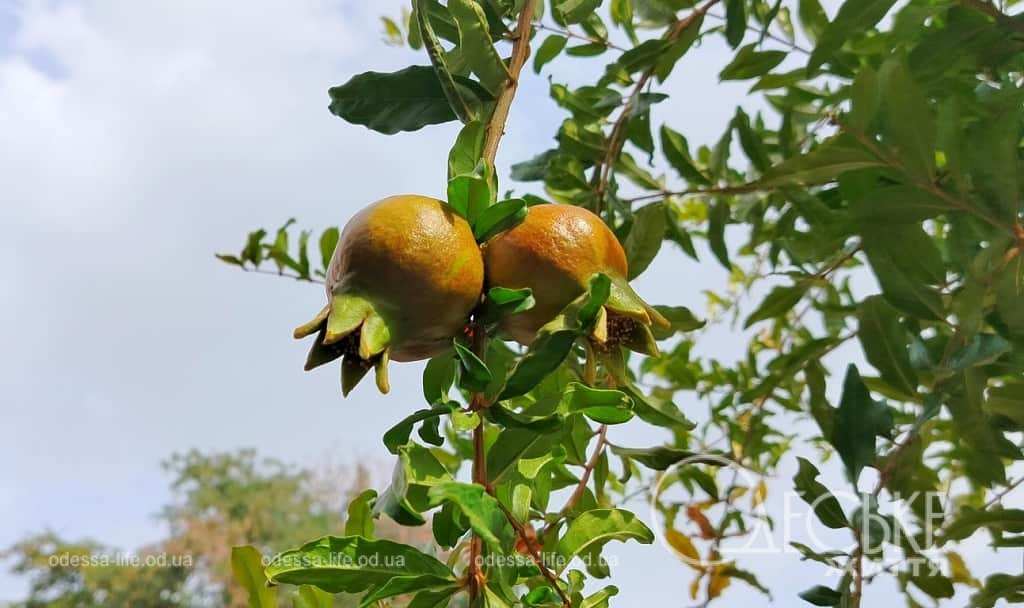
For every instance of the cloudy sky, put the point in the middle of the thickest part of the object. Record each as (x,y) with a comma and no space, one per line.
(137,139)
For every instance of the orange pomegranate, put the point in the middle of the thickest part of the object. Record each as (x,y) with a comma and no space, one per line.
(404,277)
(554,252)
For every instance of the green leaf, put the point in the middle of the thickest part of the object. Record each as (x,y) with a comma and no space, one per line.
(593,529)
(657,410)
(416,470)
(859,420)
(999,586)
(465,110)
(512,445)
(438,378)
(360,515)
(498,218)
(605,406)
(1008,401)
(854,17)
(644,238)
(352,564)
(970,520)
(309,596)
(328,241)
(247,568)
(677,152)
(896,204)
(482,510)
(751,63)
(404,585)
(671,55)
(548,50)
(567,12)
(469,194)
(812,18)
(398,435)
(465,155)
(434,598)
(982,349)
(823,164)
(680,319)
(886,343)
(659,458)
(779,302)
(600,599)
(819,595)
(555,339)
(981,445)
(406,100)
(750,141)
(825,505)
(735,21)
(718,217)
(475,376)
(475,44)
(905,278)
(908,124)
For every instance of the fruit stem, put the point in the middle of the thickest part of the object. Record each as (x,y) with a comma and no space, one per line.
(520,51)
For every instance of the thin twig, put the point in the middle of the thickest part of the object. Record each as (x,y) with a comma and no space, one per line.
(520,51)
(740,189)
(588,470)
(617,138)
(285,275)
(570,34)
(792,45)
(535,554)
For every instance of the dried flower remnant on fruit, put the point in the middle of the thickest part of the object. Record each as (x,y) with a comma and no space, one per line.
(404,277)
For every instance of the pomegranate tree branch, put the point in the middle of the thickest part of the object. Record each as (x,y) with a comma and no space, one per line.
(535,554)
(520,51)
(588,470)
(617,139)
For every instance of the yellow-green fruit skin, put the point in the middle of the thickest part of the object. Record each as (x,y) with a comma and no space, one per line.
(554,252)
(417,261)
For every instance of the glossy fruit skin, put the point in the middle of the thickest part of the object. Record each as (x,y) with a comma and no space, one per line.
(418,263)
(554,252)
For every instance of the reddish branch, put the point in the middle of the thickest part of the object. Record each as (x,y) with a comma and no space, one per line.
(617,139)
(520,51)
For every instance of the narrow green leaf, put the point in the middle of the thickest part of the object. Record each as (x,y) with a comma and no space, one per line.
(735,21)
(406,100)
(548,50)
(854,17)
(677,152)
(475,376)
(593,529)
(859,420)
(645,237)
(498,218)
(779,302)
(751,63)
(886,343)
(825,505)
(352,564)
(247,567)
(482,510)
(360,515)
(475,44)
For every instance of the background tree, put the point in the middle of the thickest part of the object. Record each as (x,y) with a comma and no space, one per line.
(891,153)
(219,500)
